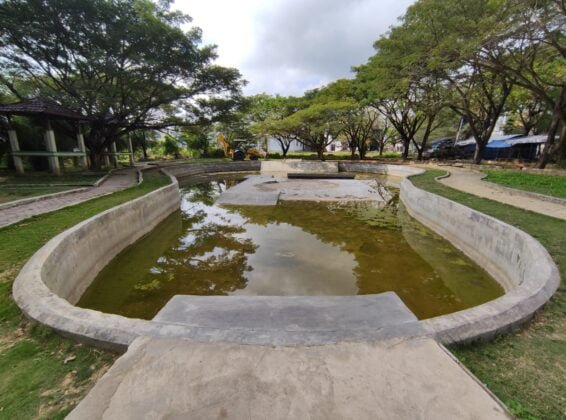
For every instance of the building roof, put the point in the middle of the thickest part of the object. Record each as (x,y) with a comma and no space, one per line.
(498,144)
(41,107)
(539,139)
(471,140)
(501,144)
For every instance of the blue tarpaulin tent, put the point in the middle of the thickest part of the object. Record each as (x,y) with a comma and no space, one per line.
(505,147)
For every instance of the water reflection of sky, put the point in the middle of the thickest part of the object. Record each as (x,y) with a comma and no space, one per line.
(286,260)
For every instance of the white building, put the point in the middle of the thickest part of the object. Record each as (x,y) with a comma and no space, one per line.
(273,146)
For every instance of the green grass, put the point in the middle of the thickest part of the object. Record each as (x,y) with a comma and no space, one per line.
(554,185)
(11,194)
(526,370)
(43,375)
(43,178)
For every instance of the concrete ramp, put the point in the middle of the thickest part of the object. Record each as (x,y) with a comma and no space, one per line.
(173,379)
(248,198)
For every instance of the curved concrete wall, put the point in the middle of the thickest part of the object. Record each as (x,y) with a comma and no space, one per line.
(184,170)
(399,171)
(515,259)
(55,277)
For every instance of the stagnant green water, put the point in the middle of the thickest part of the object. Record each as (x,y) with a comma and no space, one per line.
(294,248)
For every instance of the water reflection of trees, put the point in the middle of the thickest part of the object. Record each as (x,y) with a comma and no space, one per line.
(210,258)
(207,192)
(213,262)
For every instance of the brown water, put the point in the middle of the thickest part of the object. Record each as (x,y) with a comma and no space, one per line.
(294,248)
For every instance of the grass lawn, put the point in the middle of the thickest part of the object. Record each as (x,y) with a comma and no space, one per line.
(526,370)
(43,178)
(554,185)
(11,194)
(43,375)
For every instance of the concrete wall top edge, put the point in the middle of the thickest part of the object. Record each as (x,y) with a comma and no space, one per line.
(33,295)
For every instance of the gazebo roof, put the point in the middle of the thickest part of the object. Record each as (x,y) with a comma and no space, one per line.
(41,107)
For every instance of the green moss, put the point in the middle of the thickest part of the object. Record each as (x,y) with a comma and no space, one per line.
(42,374)
(526,370)
(553,185)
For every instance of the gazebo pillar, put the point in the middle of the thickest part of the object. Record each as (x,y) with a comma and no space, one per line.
(51,146)
(131,150)
(114,156)
(106,159)
(15,147)
(82,148)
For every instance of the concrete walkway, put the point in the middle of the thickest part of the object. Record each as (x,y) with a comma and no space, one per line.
(173,379)
(117,180)
(470,181)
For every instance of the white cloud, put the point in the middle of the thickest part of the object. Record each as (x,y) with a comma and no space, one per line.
(289,46)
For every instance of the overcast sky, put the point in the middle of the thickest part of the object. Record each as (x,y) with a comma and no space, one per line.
(289,46)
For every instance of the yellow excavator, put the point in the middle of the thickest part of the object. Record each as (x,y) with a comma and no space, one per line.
(242,151)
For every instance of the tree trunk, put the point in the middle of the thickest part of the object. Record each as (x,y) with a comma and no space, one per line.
(562,147)
(381,147)
(549,146)
(406,145)
(320,153)
(353,153)
(478,154)
(420,153)
(144,149)
(96,160)
(284,146)
(362,152)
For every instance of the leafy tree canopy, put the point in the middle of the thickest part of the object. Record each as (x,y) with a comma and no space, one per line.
(127,64)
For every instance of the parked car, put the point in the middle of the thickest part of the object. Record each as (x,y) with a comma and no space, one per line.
(441,149)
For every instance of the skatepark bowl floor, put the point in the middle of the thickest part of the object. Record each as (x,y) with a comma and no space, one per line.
(292,248)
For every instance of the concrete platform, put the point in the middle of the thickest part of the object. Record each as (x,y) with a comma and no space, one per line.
(248,198)
(298,166)
(172,379)
(291,320)
(268,189)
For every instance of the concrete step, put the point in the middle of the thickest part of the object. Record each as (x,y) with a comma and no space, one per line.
(292,320)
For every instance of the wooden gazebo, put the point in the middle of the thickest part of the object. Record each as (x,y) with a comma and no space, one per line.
(49,110)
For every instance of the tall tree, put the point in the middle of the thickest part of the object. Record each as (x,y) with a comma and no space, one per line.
(448,34)
(270,117)
(528,109)
(126,64)
(527,44)
(384,134)
(318,125)
(357,118)
(400,86)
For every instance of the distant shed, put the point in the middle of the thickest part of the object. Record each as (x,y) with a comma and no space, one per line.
(514,146)
(523,148)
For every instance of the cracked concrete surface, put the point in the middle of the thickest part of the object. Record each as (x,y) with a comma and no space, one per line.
(398,379)
(268,189)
